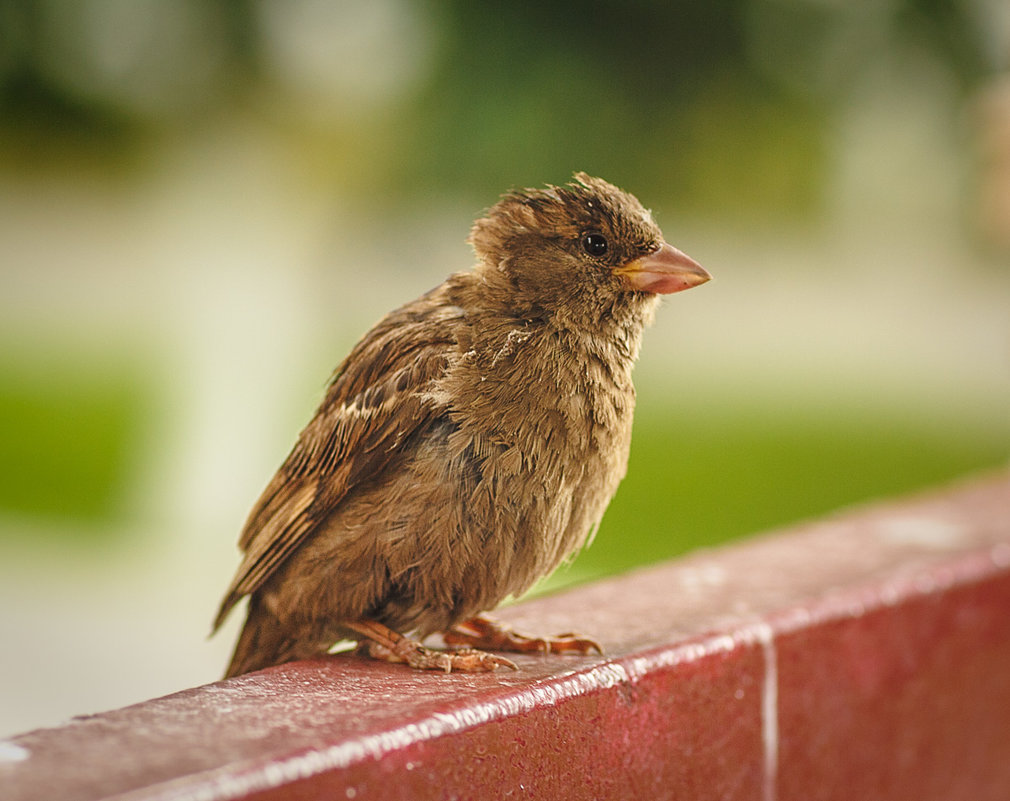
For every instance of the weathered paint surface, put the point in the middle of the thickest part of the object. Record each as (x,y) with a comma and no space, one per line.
(861,656)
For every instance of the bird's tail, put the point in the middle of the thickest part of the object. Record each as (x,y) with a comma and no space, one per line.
(264,642)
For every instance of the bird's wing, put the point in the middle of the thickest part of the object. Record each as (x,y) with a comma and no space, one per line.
(375,401)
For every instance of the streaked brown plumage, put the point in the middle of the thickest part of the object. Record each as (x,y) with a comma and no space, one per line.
(469,443)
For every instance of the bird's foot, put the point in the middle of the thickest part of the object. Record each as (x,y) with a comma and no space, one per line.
(464,660)
(390,646)
(482,632)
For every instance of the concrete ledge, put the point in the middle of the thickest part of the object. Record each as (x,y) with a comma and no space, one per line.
(862,656)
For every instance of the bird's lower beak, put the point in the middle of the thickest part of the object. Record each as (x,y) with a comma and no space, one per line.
(663,271)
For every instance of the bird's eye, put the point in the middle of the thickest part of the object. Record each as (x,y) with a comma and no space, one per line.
(595,244)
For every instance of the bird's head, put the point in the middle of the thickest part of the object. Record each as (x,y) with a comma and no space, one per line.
(586,244)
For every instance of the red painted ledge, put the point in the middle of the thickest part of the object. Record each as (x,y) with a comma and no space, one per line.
(863,656)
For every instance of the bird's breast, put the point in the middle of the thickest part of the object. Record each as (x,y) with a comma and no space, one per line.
(545,423)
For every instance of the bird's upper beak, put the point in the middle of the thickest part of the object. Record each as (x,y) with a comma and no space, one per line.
(663,271)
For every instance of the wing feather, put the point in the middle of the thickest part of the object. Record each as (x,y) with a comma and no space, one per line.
(375,401)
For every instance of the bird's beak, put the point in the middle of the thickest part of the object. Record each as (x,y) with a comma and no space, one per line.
(663,271)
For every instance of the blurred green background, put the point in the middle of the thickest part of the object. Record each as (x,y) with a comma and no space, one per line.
(204,204)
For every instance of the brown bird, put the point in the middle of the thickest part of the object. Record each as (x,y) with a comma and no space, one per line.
(469,443)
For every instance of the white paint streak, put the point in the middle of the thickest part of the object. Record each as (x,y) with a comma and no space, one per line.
(770,710)
(12,752)
(924,532)
(688,652)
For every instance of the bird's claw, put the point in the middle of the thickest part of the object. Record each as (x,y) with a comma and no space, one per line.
(483,632)
(415,655)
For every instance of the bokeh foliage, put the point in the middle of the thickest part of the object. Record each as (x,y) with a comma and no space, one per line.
(722,108)
(723,105)
(70,440)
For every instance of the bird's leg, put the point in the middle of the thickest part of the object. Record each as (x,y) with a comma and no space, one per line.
(482,632)
(391,646)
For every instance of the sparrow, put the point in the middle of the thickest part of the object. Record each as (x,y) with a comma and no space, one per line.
(467,445)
